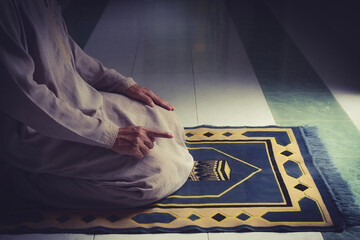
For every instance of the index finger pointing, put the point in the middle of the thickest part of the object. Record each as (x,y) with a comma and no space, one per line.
(158,134)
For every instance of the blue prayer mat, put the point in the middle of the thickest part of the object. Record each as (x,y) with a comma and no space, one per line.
(243,179)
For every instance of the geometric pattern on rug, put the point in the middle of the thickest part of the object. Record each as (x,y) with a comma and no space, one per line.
(244,178)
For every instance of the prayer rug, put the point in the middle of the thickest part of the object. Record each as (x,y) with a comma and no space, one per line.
(244,179)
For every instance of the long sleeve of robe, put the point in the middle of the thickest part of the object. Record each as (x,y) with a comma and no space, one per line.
(60,111)
(62,103)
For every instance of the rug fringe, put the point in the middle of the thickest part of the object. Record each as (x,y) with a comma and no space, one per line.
(337,186)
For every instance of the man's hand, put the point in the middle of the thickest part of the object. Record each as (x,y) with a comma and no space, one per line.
(138,92)
(137,141)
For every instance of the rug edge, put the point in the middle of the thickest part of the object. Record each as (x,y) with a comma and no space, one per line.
(337,186)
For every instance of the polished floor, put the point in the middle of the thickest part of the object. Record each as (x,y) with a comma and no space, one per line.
(234,63)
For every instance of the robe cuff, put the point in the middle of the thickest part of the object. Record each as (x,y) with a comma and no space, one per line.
(128,83)
(122,83)
(111,135)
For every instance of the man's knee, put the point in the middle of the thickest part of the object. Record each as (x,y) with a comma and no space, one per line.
(168,180)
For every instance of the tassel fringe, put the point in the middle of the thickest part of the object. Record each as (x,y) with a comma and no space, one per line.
(337,186)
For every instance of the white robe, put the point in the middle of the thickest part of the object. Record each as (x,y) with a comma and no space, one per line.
(60,114)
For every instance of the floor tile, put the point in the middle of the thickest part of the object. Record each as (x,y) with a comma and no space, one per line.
(281,63)
(177,89)
(165,20)
(350,103)
(218,63)
(117,28)
(258,42)
(121,63)
(160,236)
(214,38)
(169,47)
(349,234)
(165,32)
(340,81)
(166,8)
(116,46)
(290,82)
(342,138)
(305,106)
(123,10)
(231,100)
(264,235)
(163,63)
(219,44)
(156,19)
(208,10)
(47,237)
(171,13)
